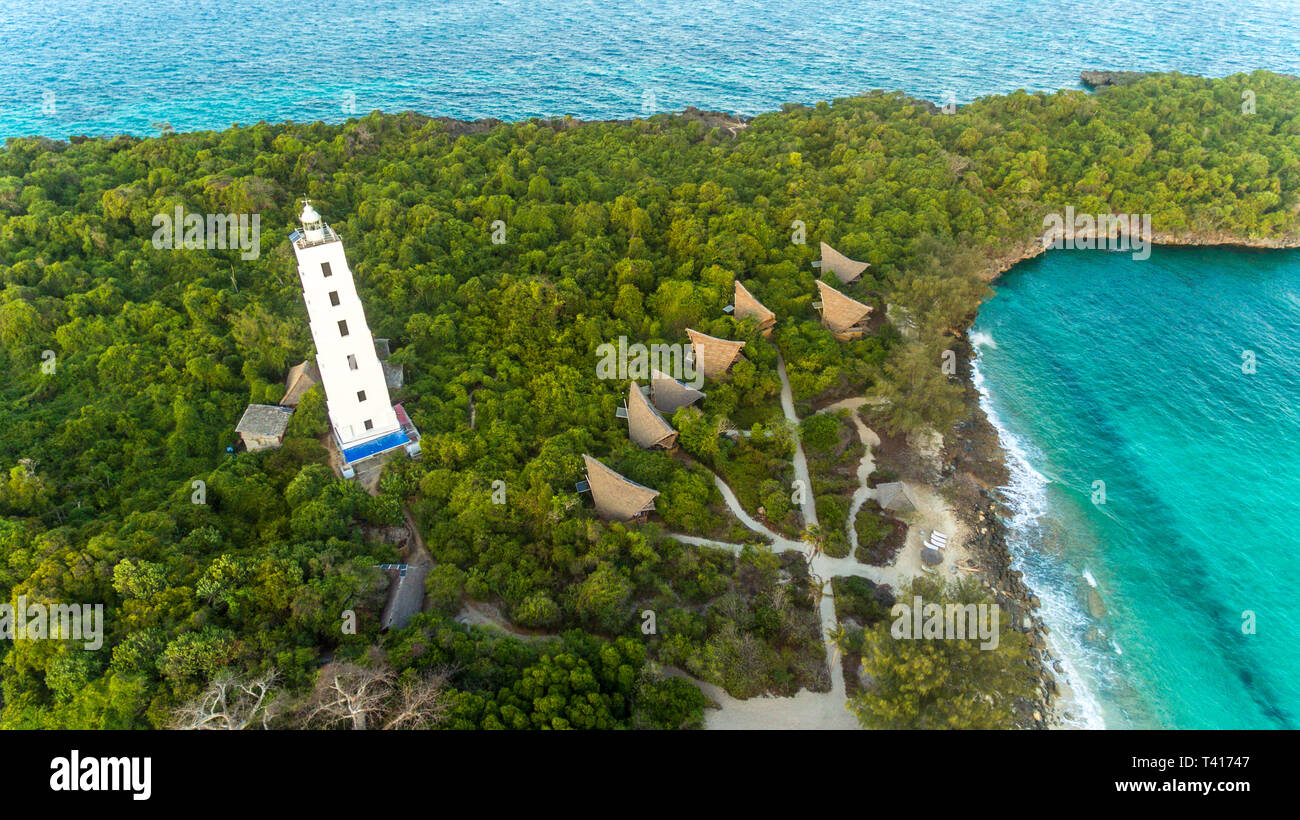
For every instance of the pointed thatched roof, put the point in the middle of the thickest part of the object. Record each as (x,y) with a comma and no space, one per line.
(669,394)
(839,312)
(747,305)
(302,377)
(644,424)
(713,355)
(844,268)
(617,498)
(894,496)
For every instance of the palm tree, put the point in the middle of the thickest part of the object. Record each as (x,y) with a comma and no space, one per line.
(815,538)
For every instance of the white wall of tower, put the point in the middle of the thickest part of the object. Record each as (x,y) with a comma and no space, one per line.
(348,413)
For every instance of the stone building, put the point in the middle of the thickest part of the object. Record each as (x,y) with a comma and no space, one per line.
(262,426)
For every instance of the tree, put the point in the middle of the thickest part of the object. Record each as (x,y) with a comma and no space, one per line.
(943,683)
(197,655)
(697,434)
(138,579)
(669,703)
(310,418)
(819,432)
(444,587)
(348,696)
(599,599)
(918,395)
(232,702)
(418,703)
(25,493)
(18,323)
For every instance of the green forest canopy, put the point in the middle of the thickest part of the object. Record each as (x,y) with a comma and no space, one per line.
(635,229)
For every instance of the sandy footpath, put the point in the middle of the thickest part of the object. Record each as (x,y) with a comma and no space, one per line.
(829,710)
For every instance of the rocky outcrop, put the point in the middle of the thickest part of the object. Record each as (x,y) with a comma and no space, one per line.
(1103,79)
(1038,245)
(1206,238)
(732,124)
(1096,607)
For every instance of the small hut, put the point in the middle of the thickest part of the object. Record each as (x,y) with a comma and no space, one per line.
(747,305)
(894,497)
(645,425)
(302,377)
(713,356)
(844,317)
(845,269)
(617,498)
(262,426)
(669,395)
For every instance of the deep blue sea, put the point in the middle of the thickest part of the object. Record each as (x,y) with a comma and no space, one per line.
(1096,367)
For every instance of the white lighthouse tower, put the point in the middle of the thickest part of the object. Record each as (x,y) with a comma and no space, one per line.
(365,423)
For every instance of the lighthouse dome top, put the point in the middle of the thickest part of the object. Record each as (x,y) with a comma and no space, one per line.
(314,230)
(309,215)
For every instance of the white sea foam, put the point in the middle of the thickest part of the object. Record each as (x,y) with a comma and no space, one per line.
(1026,494)
(1087,576)
(981,339)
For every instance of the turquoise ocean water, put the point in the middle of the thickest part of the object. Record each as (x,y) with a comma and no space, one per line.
(101,66)
(1100,368)
(1097,367)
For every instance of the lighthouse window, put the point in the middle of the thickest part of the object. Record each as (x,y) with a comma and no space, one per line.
(352,362)
(369,424)
(361,395)
(334,297)
(325,269)
(343,327)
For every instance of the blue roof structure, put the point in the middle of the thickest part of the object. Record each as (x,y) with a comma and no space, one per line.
(374,447)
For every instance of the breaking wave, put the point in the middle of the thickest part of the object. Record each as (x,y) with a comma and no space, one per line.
(1026,495)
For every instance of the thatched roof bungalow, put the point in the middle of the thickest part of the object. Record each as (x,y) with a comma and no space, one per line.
(669,395)
(645,425)
(713,356)
(845,269)
(302,377)
(747,305)
(894,496)
(843,316)
(617,498)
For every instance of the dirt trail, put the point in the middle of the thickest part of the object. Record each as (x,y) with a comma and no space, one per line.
(866,466)
(417,553)
(805,710)
(478,613)
(809,505)
(733,504)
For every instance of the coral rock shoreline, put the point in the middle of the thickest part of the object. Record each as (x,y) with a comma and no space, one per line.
(1036,246)
(974,467)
